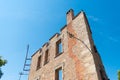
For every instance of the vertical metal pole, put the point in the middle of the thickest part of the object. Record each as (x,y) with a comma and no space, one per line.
(20,77)
(26,56)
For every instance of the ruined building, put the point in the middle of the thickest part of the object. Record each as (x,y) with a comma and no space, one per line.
(70,55)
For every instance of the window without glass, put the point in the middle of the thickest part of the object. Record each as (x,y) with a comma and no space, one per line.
(59,49)
(39,62)
(95,49)
(58,74)
(46,57)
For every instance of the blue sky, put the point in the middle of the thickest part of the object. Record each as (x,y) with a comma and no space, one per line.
(33,22)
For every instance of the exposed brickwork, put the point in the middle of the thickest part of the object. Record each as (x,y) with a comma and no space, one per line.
(71,43)
(76,60)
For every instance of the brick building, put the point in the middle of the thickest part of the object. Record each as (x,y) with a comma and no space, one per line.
(70,55)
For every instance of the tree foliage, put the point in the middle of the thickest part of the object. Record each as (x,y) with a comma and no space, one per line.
(2,63)
(119,75)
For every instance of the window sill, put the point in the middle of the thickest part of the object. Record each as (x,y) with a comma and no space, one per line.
(38,68)
(58,54)
(46,62)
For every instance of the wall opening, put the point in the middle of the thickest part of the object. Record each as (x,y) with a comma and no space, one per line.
(58,74)
(46,57)
(59,47)
(39,62)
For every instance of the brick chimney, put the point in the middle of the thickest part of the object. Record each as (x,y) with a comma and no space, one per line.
(70,16)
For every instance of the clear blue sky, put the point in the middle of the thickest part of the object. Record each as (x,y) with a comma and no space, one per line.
(33,22)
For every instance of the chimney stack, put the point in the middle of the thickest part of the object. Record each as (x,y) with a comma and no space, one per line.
(70,16)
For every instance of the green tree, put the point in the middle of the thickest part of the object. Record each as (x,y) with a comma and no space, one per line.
(2,63)
(119,75)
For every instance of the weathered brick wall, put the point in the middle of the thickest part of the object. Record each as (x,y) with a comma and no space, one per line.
(77,62)
(84,63)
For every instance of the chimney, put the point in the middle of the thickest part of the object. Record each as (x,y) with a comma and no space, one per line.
(70,16)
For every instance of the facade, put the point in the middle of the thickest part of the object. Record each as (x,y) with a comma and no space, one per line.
(70,55)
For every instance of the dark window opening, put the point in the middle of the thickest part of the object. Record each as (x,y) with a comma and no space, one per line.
(46,57)
(58,74)
(102,76)
(39,62)
(95,49)
(59,48)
